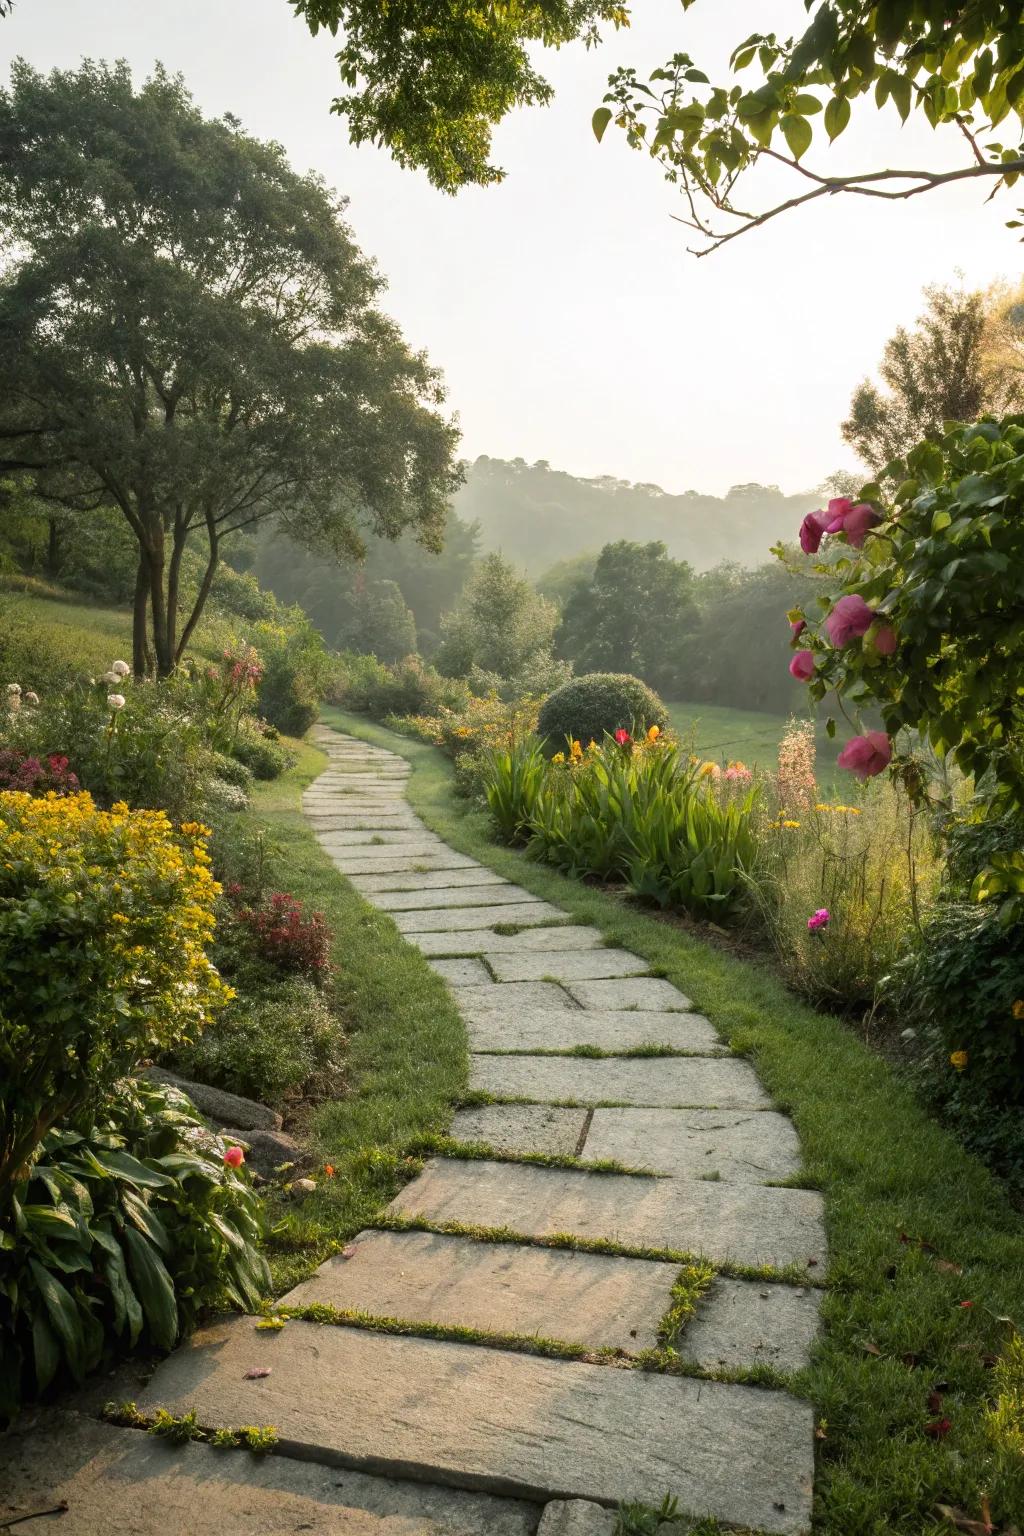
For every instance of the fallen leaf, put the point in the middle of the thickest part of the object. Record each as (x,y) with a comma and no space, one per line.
(871,1349)
(939,1428)
(257,1373)
(948,1267)
(963,1522)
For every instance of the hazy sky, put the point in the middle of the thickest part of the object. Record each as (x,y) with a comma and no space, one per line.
(569,320)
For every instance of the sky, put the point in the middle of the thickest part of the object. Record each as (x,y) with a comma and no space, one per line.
(562,306)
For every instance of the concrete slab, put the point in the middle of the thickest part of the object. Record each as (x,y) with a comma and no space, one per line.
(547,1029)
(659,1081)
(741,1323)
(122,1482)
(638,992)
(508,1423)
(423,1277)
(467,972)
(449,921)
(730,1223)
(512,996)
(438,880)
(507,1128)
(463,896)
(745,1146)
(563,937)
(567,965)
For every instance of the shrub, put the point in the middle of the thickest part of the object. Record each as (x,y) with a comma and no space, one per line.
(261,753)
(222,796)
(514,776)
(119,1235)
(229,770)
(353,676)
(412,687)
(287,938)
(295,678)
(36,777)
(104,921)
(589,708)
(269,1047)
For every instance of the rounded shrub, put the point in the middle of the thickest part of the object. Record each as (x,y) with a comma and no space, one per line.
(598,703)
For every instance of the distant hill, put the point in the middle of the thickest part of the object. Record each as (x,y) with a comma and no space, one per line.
(537,515)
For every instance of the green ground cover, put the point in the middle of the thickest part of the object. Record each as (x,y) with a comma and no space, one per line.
(67,631)
(718,732)
(927,1255)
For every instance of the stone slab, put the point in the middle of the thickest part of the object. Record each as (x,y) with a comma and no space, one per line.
(730,1223)
(649,992)
(218,1105)
(561,938)
(567,965)
(577,1517)
(467,972)
(451,920)
(369,822)
(463,896)
(751,1147)
(741,1323)
(396,862)
(505,1422)
(423,1277)
(652,1080)
(547,1128)
(120,1482)
(511,996)
(439,880)
(548,1029)
(367,838)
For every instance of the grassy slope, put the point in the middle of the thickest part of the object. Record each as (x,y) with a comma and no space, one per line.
(753,737)
(916,1226)
(81,634)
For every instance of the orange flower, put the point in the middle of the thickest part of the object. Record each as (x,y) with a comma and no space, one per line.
(654,733)
(958,1059)
(329,1170)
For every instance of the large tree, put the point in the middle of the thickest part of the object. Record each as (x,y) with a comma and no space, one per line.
(188,332)
(429,78)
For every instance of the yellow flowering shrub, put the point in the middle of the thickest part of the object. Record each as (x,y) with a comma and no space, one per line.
(105,917)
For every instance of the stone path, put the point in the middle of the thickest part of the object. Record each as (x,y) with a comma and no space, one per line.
(457,1436)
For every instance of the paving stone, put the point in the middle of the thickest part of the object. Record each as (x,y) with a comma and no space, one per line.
(730,1223)
(438,880)
(120,1482)
(636,992)
(561,938)
(567,966)
(511,997)
(463,896)
(751,1147)
(423,1277)
(467,972)
(505,1422)
(653,1080)
(221,1107)
(547,1029)
(451,920)
(547,1128)
(397,862)
(577,1517)
(423,838)
(358,822)
(742,1323)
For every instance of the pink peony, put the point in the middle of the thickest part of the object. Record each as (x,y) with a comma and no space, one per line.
(820,919)
(234,1157)
(621,736)
(802,666)
(867,755)
(797,627)
(850,618)
(811,530)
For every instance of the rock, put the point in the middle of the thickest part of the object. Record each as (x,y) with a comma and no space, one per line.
(422,880)
(566,936)
(463,973)
(460,896)
(669,1080)
(300,1188)
(219,1106)
(267,1150)
(510,997)
(576,1517)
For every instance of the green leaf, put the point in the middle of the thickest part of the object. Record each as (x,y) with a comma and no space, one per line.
(46,1351)
(837,115)
(63,1314)
(797,132)
(123,1166)
(154,1287)
(806,104)
(600,120)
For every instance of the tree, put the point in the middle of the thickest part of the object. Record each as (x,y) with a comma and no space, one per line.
(188,334)
(501,627)
(429,81)
(633,616)
(381,622)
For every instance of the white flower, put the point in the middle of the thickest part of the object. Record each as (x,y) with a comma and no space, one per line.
(115,700)
(14,689)
(31,698)
(111,677)
(120,668)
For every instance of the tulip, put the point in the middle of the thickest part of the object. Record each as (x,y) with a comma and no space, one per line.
(850,618)
(867,755)
(234,1157)
(621,736)
(802,666)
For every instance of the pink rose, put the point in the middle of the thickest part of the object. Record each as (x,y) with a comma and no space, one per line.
(234,1157)
(811,530)
(850,618)
(854,521)
(820,919)
(797,627)
(839,508)
(802,666)
(867,755)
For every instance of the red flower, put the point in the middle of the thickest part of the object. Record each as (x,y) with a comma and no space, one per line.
(939,1428)
(234,1157)
(621,736)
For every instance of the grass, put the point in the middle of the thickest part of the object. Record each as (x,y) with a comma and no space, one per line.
(917,1227)
(725,734)
(407,1055)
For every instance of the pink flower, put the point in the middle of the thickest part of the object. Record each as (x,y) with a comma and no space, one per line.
(811,530)
(885,640)
(839,508)
(854,521)
(234,1157)
(797,627)
(820,919)
(802,666)
(850,618)
(867,755)
(621,736)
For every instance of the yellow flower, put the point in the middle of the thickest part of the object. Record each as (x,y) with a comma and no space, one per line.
(1018,1008)
(559,757)
(790,823)
(654,732)
(576,751)
(958,1059)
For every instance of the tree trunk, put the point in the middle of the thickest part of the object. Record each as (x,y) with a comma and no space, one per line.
(158,602)
(204,587)
(140,620)
(53,549)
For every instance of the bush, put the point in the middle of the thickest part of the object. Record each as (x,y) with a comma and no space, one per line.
(285,937)
(230,770)
(119,1235)
(20,771)
(295,678)
(222,796)
(104,921)
(261,753)
(589,708)
(270,1047)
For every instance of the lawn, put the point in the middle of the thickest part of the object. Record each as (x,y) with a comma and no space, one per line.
(927,1255)
(721,733)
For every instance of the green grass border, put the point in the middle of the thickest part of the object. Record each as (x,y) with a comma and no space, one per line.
(917,1227)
